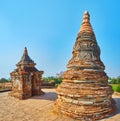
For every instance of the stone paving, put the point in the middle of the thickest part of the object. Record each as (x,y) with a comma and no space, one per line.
(38,108)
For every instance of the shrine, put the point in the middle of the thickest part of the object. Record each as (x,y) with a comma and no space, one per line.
(26,79)
(84,93)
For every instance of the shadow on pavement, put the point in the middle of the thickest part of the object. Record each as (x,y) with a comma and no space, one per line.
(52,96)
(117,100)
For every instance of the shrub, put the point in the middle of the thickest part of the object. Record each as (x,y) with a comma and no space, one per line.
(116,88)
(56,85)
(53,80)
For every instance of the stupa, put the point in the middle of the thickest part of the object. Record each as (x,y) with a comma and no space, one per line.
(26,79)
(84,93)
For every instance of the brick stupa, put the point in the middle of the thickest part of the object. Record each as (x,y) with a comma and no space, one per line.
(26,79)
(84,93)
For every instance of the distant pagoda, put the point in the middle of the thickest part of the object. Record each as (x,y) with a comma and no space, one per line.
(84,93)
(26,79)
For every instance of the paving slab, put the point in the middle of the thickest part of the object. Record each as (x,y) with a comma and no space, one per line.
(38,108)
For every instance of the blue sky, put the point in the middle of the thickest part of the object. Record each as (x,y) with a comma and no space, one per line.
(48,28)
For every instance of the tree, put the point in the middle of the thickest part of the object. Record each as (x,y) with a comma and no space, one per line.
(2,80)
(118,80)
(113,81)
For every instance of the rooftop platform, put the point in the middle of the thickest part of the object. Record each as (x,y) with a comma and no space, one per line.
(38,108)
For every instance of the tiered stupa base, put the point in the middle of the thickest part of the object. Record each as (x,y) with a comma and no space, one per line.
(83,98)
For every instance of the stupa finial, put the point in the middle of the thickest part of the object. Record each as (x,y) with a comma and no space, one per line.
(86,17)
(86,26)
(25,51)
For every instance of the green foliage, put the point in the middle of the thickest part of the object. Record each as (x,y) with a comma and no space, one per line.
(116,87)
(114,80)
(48,78)
(56,80)
(118,80)
(3,80)
(115,83)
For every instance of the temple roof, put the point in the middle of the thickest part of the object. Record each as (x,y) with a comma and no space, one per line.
(25,59)
(86,26)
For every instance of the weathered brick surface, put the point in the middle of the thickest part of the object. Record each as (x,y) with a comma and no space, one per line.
(26,79)
(84,93)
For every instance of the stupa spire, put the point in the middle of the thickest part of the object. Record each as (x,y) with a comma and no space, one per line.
(25,59)
(86,17)
(86,52)
(25,51)
(86,26)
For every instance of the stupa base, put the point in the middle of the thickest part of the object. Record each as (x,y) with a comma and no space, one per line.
(84,113)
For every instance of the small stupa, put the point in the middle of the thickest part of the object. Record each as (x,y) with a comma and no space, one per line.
(84,93)
(26,79)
